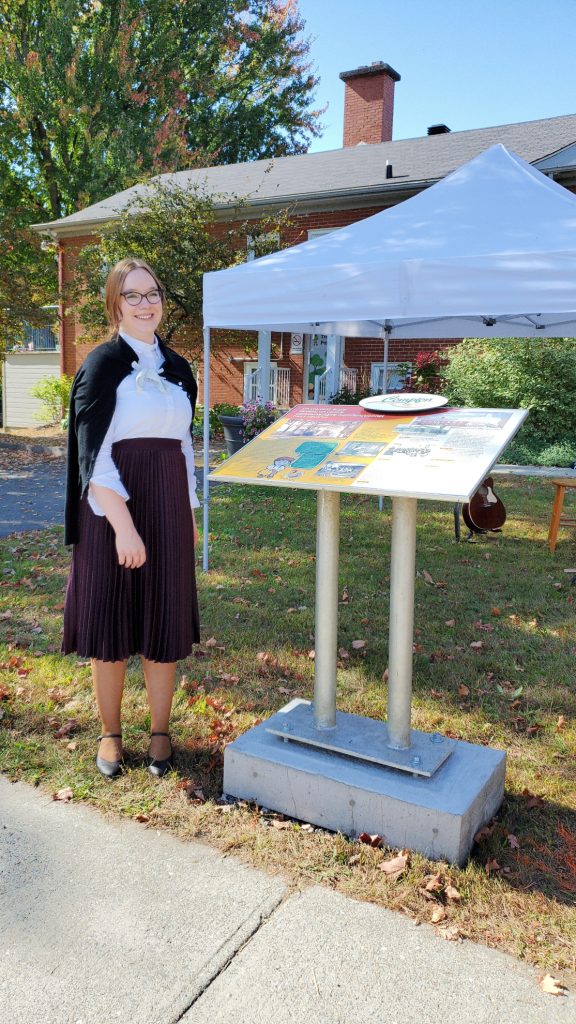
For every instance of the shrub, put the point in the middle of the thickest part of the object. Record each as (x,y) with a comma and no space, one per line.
(518,373)
(54,393)
(226,409)
(423,377)
(215,425)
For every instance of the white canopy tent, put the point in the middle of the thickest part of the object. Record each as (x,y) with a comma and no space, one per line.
(489,251)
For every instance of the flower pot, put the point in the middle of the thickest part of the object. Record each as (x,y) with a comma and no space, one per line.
(232,427)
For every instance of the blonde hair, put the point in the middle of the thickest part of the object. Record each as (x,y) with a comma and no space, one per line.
(115,283)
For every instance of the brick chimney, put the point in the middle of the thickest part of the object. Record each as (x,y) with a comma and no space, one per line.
(369,103)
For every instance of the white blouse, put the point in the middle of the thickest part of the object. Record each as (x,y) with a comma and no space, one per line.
(146,406)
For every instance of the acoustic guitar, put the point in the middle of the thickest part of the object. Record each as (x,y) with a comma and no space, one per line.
(484,512)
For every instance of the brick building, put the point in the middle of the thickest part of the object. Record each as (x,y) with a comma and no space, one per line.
(327,191)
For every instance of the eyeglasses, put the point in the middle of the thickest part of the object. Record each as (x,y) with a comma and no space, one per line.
(135,298)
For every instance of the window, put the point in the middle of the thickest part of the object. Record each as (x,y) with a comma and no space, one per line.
(259,245)
(396,374)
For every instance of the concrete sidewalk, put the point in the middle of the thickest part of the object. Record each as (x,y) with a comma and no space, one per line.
(104,921)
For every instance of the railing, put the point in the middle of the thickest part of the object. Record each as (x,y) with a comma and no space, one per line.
(279,386)
(40,339)
(348,379)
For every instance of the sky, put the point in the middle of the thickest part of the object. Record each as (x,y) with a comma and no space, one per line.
(464,63)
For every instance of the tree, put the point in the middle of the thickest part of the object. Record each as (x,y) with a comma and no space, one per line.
(96,95)
(176,231)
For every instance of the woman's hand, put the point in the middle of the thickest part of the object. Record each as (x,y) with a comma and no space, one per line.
(129,544)
(130,548)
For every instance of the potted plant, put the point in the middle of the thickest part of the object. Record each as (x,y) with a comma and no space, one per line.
(231,418)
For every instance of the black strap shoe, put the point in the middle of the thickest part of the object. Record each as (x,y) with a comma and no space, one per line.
(159,768)
(109,769)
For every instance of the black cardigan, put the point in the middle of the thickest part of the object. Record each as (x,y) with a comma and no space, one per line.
(92,404)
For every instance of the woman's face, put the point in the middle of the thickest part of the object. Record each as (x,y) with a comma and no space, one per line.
(142,320)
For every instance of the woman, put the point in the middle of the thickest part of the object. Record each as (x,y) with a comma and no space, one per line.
(131,492)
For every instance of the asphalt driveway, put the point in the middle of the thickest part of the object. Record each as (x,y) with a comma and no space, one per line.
(32,496)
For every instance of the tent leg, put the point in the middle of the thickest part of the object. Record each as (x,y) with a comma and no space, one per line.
(206,486)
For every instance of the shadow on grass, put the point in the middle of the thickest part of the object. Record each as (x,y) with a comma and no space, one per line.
(531,846)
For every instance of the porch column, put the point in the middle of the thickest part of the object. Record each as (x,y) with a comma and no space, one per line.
(264,345)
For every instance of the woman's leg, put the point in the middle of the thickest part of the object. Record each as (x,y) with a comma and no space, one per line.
(108,679)
(160,678)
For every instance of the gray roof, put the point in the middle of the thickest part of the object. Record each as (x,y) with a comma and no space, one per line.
(357,172)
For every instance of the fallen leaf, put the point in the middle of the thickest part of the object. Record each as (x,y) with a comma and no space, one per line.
(463,691)
(450,622)
(65,729)
(428,577)
(477,645)
(552,986)
(354,859)
(343,653)
(560,723)
(71,746)
(495,611)
(451,893)
(142,817)
(6,615)
(395,866)
(451,934)
(371,840)
(438,914)
(280,824)
(63,794)
(435,883)
(491,867)
(358,645)
(513,842)
(532,800)
(211,642)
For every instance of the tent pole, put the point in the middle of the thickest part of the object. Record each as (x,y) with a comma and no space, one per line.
(205,484)
(385,371)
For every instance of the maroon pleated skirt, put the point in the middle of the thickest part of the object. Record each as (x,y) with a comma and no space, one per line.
(112,612)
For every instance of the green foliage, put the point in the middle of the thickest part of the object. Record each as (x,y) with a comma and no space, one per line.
(174,230)
(97,95)
(215,425)
(54,393)
(225,409)
(536,452)
(345,396)
(518,373)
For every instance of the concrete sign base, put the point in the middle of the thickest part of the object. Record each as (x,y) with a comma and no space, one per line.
(437,816)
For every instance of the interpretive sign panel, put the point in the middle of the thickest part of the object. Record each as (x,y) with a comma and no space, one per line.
(442,455)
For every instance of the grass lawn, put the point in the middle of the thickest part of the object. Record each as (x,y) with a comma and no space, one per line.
(495,650)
